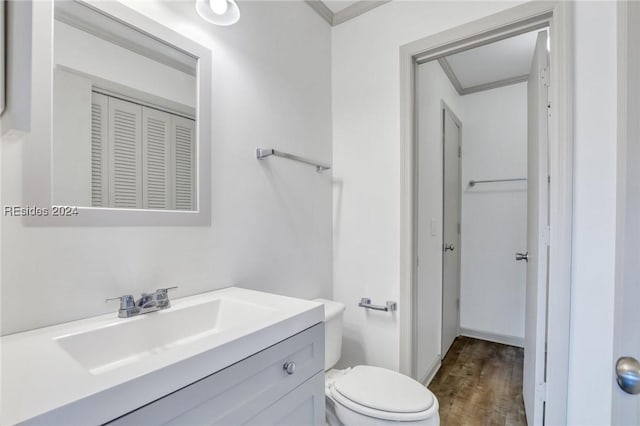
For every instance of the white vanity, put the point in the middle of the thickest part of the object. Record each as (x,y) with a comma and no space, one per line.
(231,356)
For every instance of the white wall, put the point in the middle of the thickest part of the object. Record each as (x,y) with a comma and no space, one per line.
(433,87)
(494,215)
(366,156)
(271,220)
(71,153)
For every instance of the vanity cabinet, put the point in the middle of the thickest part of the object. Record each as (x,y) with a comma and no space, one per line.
(255,391)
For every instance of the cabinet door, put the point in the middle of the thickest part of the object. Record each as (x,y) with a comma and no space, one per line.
(303,406)
(241,392)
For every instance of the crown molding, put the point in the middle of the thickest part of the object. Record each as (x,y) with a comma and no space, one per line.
(322,10)
(347,13)
(446,67)
(495,84)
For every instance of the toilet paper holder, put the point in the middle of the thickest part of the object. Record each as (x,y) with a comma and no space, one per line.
(390,306)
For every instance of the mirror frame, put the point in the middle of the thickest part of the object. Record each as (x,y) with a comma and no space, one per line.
(38,145)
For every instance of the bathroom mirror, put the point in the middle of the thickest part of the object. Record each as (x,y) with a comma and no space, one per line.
(124,115)
(128,145)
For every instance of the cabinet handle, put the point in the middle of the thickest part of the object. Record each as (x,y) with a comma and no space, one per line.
(289,367)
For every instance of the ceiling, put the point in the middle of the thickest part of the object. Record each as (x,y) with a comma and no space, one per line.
(493,65)
(336,12)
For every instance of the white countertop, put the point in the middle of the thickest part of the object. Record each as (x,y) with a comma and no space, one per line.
(43,384)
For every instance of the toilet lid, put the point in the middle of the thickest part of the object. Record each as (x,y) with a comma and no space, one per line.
(385,390)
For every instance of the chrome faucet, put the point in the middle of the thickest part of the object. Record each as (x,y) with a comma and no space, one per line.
(148,302)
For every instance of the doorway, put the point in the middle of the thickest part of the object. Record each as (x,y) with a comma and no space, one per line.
(552,393)
(494,90)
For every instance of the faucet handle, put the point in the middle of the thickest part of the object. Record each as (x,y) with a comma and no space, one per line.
(163,291)
(163,298)
(126,302)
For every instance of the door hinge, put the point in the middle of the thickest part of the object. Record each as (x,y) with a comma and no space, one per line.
(458,228)
(541,391)
(546,235)
(417,261)
(544,76)
(458,303)
(459,152)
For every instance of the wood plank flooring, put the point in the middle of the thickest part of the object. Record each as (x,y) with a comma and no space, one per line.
(480,383)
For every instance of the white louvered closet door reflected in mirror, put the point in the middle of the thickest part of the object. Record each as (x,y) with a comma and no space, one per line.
(183,171)
(141,157)
(125,148)
(99,151)
(156,147)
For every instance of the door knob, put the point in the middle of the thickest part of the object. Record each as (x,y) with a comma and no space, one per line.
(628,374)
(448,247)
(523,256)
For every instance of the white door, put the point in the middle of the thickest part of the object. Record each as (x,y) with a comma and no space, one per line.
(125,153)
(156,162)
(626,406)
(183,131)
(537,226)
(450,230)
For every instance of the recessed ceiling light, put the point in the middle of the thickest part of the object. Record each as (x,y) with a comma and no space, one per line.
(219,12)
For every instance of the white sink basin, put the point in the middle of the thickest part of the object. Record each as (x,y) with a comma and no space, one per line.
(114,345)
(102,367)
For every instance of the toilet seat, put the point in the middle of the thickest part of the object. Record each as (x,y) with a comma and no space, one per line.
(384,394)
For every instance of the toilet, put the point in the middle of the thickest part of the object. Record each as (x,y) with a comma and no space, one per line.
(367,395)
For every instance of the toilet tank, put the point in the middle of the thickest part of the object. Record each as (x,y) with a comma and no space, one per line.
(333,312)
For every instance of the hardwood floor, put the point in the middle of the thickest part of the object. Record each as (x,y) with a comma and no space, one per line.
(480,383)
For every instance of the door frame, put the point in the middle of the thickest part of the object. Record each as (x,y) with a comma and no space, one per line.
(558,16)
(627,153)
(446,109)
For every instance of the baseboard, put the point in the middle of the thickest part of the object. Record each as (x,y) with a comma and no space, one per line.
(431,372)
(493,337)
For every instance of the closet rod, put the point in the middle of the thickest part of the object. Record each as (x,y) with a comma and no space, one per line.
(262,153)
(474,182)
